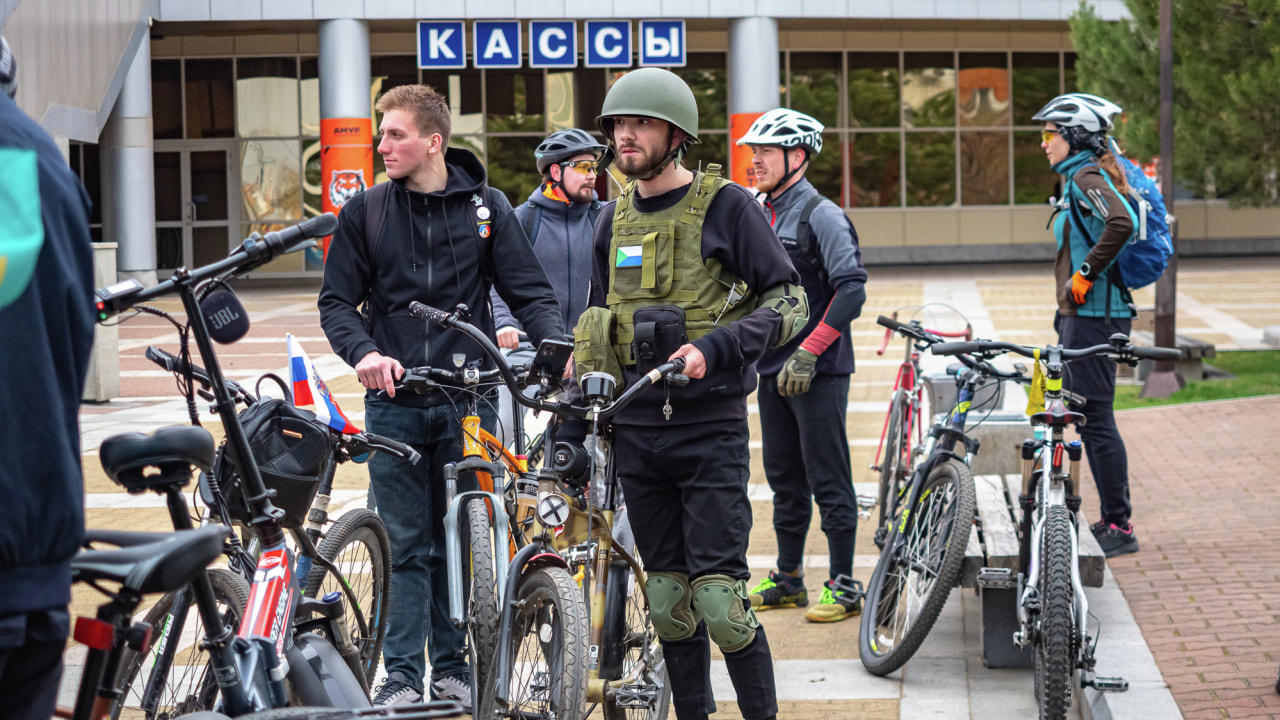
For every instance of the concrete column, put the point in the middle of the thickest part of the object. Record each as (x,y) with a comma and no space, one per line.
(128,174)
(754,74)
(344,69)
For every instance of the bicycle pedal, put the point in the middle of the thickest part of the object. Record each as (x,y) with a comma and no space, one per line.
(636,696)
(1107,684)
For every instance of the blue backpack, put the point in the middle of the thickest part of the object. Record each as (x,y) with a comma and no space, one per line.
(1144,258)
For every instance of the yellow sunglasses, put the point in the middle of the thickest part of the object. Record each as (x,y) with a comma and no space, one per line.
(584,167)
(1047,135)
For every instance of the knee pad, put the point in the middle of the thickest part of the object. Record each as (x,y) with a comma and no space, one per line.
(720,600)
(670,605)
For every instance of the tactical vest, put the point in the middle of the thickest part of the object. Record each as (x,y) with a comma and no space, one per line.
(656,259)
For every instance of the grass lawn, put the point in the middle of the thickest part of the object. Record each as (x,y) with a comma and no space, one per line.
(1257,372)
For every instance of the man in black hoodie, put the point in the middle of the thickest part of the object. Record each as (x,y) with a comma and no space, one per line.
(46,333)
(445,239)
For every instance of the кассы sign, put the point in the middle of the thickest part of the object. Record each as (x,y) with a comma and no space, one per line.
(551,44)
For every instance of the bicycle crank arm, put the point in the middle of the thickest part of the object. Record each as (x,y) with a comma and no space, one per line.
(1106,684)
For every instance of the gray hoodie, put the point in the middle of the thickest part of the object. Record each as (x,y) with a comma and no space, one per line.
(563,245)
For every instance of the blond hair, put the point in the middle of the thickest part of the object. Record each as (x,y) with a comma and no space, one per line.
(430,110)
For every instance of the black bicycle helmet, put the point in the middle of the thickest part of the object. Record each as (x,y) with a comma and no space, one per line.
(564,144)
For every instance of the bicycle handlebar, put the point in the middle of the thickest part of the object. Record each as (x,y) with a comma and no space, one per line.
(1122,352)
(914,330)
(253,252)
(455,322)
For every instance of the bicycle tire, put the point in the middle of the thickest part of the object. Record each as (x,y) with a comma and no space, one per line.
(1055,646)
(484,592)
(548,675)
(355,541)
(628,632)
(190,693)
(891,464)
(937,530)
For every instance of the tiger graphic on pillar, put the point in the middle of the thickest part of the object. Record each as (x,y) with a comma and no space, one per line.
(345,184)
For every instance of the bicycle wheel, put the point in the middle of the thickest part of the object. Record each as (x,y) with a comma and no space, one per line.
(548,673)
(1055,649)
(357,544)
(188,684)
(893,463)
(628,642)
(916,573)
(484,597)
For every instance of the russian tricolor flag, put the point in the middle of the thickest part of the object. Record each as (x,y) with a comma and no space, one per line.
(309,389)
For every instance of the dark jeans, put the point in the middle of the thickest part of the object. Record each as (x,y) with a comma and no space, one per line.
(31,663)
(686,490)
(411,501)
(806,458)
(1095,378)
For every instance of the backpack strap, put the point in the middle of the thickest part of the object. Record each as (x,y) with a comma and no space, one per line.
(805,241)
(1112,275)
(532,221)
(376,201)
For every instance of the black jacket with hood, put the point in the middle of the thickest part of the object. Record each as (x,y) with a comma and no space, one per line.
(429,251)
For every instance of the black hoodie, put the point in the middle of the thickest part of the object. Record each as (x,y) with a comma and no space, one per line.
(429,251)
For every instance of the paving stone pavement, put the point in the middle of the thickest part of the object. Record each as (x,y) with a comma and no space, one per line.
(819,675)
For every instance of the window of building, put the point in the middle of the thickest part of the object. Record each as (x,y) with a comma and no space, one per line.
(267,97)
(210,100)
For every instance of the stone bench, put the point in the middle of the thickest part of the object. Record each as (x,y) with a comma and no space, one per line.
(1194,353)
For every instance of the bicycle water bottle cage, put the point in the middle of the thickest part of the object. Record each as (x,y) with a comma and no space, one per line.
(1057,415)
(170,452)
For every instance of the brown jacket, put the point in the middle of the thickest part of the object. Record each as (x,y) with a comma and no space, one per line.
(1101,201)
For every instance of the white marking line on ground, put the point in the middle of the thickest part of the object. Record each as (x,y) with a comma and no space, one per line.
(964,294)
(815,680)
(821,562)
(1242,333)
(125,501)
(296,309)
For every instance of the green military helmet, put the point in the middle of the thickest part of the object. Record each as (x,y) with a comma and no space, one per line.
(651,92)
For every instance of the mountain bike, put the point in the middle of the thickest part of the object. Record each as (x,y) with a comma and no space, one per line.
(288,649)
(543,667)
(1052,606)
(902,436)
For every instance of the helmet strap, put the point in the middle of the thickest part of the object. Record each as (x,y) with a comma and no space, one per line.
(787,170)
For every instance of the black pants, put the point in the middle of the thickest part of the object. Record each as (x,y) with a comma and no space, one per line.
(686,491)
(1095,378)
(31,663)
(806,458)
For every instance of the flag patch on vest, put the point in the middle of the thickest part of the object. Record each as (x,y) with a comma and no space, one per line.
(629,256)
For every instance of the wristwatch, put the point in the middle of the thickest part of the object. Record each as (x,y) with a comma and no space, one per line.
(1085,270)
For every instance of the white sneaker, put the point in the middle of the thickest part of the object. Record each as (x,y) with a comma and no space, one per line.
(454,687)
(395,691)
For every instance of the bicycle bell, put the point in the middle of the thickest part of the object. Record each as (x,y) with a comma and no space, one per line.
(598,386)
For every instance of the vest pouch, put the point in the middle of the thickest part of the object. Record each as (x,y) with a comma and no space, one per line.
(593,344)
(657,332)
(643,264)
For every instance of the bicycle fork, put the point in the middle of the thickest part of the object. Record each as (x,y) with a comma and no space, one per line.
(458,615)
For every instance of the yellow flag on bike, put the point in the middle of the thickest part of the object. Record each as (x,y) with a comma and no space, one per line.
(1035,394)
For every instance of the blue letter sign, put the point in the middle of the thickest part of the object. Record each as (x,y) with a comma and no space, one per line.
(440,45)
(662,43)
(497,43)
(608,43)
(553,44)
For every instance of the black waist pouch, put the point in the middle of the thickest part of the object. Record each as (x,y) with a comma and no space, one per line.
(658,332)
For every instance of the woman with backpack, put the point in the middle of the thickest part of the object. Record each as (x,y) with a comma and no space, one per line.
(1093,302)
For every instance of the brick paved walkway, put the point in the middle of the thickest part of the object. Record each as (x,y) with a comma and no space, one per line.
(1205,588)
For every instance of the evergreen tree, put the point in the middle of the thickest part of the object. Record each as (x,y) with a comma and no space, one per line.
(1226,89)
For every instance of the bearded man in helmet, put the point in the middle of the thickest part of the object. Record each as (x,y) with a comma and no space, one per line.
(687,267)
(804,385)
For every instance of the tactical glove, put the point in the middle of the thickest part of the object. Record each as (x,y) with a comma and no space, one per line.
(797,373)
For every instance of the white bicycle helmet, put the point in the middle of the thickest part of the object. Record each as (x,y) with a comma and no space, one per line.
(1080,110)
(786,128)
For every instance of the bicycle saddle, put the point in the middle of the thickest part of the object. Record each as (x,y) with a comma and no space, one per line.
(172,450)
(1057,415)
(149,562)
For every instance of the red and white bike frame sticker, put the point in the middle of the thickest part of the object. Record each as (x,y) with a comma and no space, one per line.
(270,599)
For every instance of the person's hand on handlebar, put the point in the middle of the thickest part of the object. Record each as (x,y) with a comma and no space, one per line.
(508,338)
(695,363)
(379,372)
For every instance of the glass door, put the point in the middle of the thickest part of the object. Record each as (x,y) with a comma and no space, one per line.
(195,217)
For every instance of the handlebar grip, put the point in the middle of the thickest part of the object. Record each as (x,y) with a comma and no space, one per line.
(399,449)
(1157,353)
(889,323)
(426,312)
(956,348)
(317,227)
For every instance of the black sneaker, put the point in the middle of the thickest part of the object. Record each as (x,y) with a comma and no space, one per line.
(1115,540)
(779,590)
(395,691)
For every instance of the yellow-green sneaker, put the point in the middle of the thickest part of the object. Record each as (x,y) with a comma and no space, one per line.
(841,600)
(779,590)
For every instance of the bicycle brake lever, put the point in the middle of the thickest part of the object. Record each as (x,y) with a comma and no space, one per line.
(678,379)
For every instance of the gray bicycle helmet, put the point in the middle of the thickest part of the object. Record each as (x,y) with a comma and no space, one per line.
(564,144)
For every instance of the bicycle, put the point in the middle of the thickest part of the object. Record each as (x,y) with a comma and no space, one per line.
(288,648)
(1052,606)
(539,599)
(902,436)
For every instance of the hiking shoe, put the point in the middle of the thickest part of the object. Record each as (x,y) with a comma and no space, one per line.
(841,600)
(395,691)
(454,687)
(1115,540)
(779,590)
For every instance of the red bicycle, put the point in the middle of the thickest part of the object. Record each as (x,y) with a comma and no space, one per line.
(902,436)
